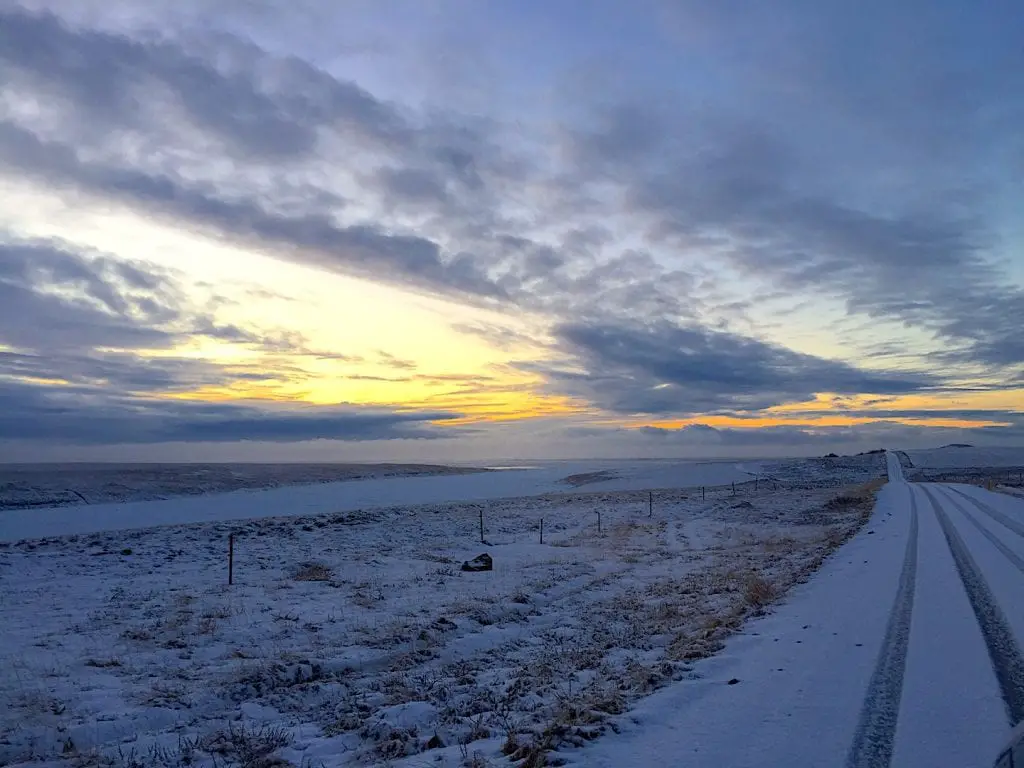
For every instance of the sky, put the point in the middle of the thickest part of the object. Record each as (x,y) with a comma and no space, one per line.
(451,230)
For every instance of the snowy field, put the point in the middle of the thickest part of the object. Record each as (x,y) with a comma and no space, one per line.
(994,468)
(952,457)
(28,486)
(352,637)
(904,649)
(327,498)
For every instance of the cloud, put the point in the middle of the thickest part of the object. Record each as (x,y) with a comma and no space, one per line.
(57,300)
(77,332)
(780,440)
(390,361)
(62,416)
(664,368)
(796,202)
(93,321)
(812,168)
(83,324)
(312,237)
(185,144)
(638,236)
(497,335)
(929,269)
(901,414)
(257,106)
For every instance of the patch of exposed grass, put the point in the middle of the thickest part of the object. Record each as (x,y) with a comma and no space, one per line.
(759,592)
(313,571)
(103,663)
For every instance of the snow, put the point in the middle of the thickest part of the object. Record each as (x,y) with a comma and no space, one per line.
(800,671)
(804,670)
(127,647)
(647,643)
(962,696)
(57,485)
(18,524)
(959,458)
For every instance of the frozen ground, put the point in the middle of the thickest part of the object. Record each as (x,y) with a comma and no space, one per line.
(380,492)
(953,457)
(353,638)
(25,486)
(999,469)
(904,650)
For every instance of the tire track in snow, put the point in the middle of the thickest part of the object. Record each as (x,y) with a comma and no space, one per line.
(995,514)
(1012,556)
(1003,650)
(876,729)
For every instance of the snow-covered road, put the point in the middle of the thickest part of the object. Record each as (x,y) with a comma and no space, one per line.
(904,650)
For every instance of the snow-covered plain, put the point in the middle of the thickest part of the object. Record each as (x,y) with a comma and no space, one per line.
(951,457)
(26,486)
(352,495)
(994,468)
(351,637)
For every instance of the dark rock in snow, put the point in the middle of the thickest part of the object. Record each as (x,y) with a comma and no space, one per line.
(479,563)
(734,681)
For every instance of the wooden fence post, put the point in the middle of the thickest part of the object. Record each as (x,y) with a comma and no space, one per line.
(231,559)
(650,503)
(542,530)
(482,527)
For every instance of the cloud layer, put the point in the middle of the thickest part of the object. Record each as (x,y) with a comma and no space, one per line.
(845,179)
(664,368)
(84,343)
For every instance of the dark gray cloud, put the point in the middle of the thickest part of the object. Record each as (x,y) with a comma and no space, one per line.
(60,416)
(258,107)
(797,440)
(664,368)
(129,371)
(912,414)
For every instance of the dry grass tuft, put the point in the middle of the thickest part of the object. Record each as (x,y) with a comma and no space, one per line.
(758,592)
(313,571)
(103,663)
